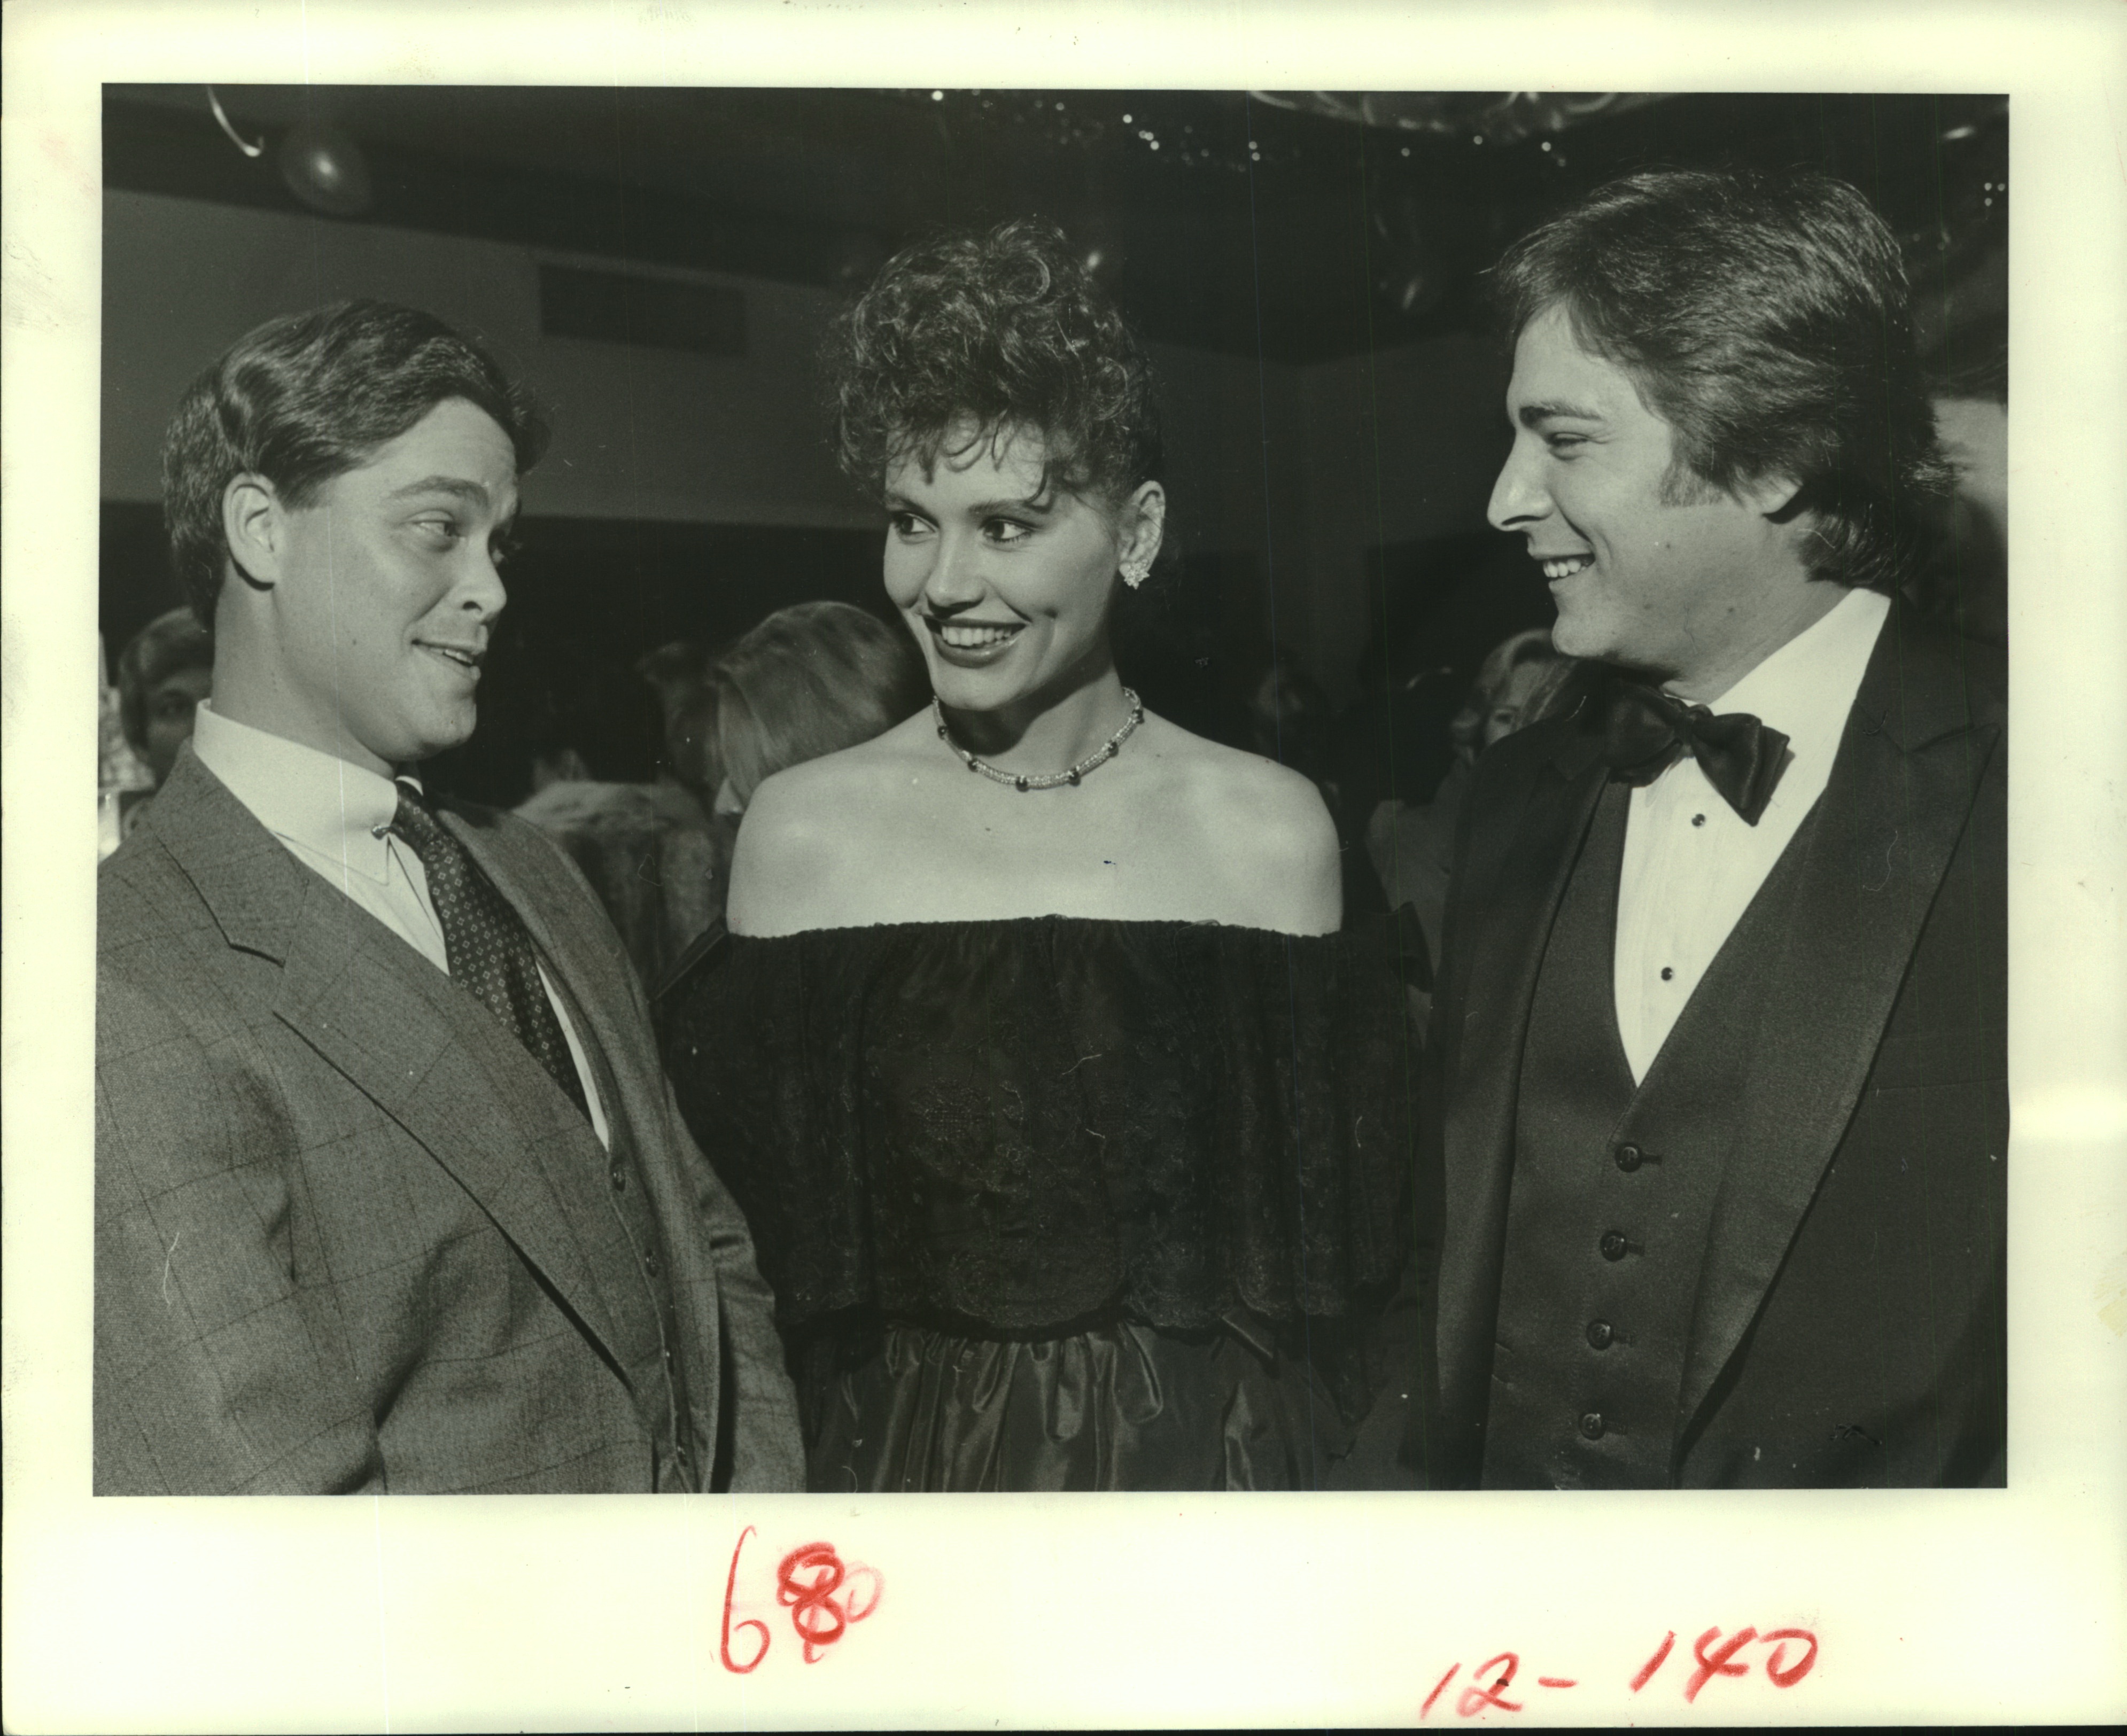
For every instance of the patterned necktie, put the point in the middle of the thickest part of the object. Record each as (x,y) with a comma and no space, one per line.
(489,948)
(1645,731)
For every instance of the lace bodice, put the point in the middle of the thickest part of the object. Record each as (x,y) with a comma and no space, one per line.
(1013,1127)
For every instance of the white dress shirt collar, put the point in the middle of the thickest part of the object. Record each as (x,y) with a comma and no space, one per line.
(1806,688)
(330,807)
(333,818)
(1692,865)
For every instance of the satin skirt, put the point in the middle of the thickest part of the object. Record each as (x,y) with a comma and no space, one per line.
(901,1406)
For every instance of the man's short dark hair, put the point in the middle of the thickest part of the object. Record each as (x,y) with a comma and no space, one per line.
(1766,317)
(307,397)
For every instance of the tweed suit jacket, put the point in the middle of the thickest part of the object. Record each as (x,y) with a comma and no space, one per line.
(1849,1321)
(351,1236)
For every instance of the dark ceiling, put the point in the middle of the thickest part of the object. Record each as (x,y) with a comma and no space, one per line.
(1249,224)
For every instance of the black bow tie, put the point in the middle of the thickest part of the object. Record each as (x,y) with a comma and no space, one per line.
(1645,732)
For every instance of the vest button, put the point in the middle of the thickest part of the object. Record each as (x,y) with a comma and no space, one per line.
(1591,1426)
(1629,1158)
(1600,1332)
(1613,1246)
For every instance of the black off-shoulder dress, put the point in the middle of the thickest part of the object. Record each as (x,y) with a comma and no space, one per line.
(1058,1203)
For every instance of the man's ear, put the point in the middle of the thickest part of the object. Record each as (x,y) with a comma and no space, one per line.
(254,523)
(1778,497)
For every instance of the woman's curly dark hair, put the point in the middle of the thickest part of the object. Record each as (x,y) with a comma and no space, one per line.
(1006,328)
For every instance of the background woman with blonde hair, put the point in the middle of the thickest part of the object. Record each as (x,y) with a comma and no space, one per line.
(810,679)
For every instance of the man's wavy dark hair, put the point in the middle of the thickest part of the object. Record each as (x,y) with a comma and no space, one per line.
(1006,328)
(307,397)
(1766,317)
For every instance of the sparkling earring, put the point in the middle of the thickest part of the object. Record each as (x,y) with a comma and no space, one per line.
(1134,573)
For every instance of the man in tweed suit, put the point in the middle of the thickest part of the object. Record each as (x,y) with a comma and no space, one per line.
(390,1192)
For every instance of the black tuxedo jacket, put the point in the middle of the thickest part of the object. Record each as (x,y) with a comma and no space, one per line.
(1848,1324)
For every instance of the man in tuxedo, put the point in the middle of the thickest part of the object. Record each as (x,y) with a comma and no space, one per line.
(391,1195)
(1717,1071)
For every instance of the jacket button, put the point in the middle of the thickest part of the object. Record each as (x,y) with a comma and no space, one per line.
(1591,1426)
(668,1355)
(1600,1332)
(1613,1246)
(1629,1158)
(650,1264)
(619,1177)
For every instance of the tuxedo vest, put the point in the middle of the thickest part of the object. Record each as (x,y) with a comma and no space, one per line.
(1614,1187)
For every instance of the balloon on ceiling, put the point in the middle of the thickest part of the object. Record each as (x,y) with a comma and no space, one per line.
(325,168)
(319,164)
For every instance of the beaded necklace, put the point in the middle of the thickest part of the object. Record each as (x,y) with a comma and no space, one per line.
(1022,781)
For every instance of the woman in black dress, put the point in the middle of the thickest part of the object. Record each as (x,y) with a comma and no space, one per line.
(1071,1131)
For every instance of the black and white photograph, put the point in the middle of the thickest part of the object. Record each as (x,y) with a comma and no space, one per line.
(1035,895)
(1286,801)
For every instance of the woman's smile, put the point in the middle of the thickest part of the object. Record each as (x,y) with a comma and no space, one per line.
(972,644)
(1006,579)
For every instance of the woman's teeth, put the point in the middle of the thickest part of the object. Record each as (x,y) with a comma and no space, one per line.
(1565,567)
(974,638)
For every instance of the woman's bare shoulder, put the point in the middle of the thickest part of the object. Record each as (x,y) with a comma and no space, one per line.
(1232,780)
(809,826)
(849,770)
(1266,823)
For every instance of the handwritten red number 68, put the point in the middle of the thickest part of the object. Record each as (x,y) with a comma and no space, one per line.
(820,1590)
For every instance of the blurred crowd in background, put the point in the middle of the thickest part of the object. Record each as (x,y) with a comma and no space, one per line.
(642,769)
(641,774)
(1334,600)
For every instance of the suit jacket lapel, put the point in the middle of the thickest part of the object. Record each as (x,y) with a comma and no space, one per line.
(423,1050)
(565,950)
(1901,787)
(1508,926)
(598,980)
(630,1096)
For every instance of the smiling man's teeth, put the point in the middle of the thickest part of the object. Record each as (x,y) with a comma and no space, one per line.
(1564,567)
(974,638)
